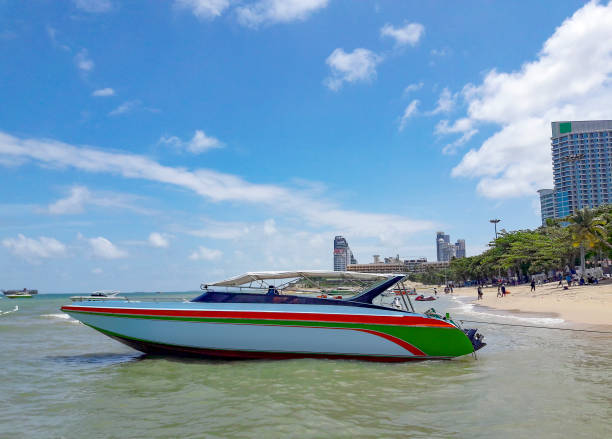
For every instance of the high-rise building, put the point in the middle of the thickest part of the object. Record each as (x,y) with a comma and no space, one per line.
(547,204)
(460,248)
(446,250)
(343,255)
(582,167)
(441,240)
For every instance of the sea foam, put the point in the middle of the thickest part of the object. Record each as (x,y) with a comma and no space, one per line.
(64,317)
(473,309)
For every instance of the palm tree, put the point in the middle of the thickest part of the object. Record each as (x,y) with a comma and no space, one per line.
(587,228)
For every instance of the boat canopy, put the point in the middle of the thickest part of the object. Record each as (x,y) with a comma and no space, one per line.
(267,275)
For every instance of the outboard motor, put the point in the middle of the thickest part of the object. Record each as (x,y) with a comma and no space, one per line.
(475,338)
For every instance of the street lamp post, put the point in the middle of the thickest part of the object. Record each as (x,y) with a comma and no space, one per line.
(495,221)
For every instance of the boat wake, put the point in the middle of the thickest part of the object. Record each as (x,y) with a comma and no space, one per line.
(65,317)
(9,312)
(475,310)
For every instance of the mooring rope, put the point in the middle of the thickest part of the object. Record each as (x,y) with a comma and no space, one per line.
(538,327)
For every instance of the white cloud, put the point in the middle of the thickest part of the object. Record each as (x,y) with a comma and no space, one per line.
(569,80)
(410,111)
(104,92)
(93,6)
(413,87)
(464,126)
(105,249)
(126,107)
(269,227)
(277,11)
(409,33)
(97,270)
(83,62)
(357,66)
(207,254)
(214,186)
(230,230)
(33,249)
(204,9)
(440,52)
(158,240)
(199,143)
(446,102)
(80,196)
(52,33)
(74,203)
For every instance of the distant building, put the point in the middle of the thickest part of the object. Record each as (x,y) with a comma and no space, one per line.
(460,248)
(441,240)
(446,250)
(390,265)
(343,255)
(582,167)
(547,204)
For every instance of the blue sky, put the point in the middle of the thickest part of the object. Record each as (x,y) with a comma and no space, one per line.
(150,146)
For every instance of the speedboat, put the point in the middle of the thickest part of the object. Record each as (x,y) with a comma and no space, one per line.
(20,294)
(252,316)
(422,298)
(98,296)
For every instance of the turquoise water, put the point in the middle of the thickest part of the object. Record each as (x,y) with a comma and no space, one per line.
(61,379)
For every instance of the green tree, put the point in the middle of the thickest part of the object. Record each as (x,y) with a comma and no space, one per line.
(588,228)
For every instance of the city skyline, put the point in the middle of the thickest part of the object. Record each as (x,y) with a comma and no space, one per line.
(209,141)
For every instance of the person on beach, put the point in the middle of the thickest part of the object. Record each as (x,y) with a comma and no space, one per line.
(532,285)
(435,291)
(396,303)
(503,291)
(479,292)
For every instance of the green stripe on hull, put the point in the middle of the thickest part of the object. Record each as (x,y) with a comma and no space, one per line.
(434,341)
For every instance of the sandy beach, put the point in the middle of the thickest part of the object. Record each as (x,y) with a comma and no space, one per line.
(588,304)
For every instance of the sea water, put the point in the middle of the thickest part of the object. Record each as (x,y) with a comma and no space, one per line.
(61,379)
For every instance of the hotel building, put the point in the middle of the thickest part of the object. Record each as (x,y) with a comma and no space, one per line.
(446,250)
(343,255)
(582,167)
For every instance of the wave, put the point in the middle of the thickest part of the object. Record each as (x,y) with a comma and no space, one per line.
(10,311)
(64,317)
(473,309)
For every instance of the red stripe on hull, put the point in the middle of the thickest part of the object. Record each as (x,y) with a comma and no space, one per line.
(401,320)
(398,341)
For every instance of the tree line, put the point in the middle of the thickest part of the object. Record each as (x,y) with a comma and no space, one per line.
(575,240)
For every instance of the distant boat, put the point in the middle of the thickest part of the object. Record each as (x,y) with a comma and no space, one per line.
(23,294)
(99,296)
(18,295)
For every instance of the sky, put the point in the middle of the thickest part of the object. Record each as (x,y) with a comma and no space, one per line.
(152,146)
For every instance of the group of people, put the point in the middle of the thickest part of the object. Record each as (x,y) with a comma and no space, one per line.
(501,290)
(574,280)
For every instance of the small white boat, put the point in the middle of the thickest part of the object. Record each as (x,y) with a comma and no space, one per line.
(99,296)
(18,295)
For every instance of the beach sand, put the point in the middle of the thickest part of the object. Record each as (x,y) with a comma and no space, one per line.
(588,304)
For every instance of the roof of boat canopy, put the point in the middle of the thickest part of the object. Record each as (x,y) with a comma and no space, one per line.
(266,275)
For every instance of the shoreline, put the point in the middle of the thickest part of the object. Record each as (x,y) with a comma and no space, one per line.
(584,305)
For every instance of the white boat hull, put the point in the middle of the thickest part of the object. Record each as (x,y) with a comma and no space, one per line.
(274,331)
